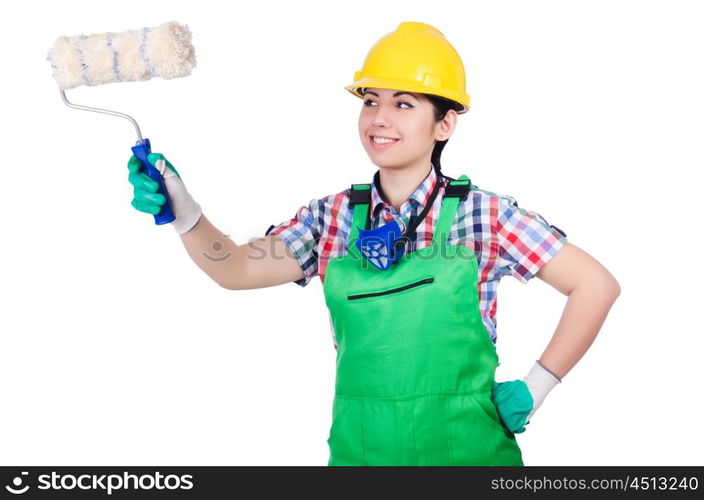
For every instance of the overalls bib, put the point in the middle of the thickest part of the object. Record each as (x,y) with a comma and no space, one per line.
(415,364)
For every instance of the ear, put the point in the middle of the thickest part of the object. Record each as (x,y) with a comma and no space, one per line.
(445,127)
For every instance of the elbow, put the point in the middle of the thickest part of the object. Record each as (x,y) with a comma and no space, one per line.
(607,284)
(232,286)
(226,286)
(612,287)
(604,286)
(609,288)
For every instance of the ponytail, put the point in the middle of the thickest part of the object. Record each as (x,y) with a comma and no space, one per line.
(440,106)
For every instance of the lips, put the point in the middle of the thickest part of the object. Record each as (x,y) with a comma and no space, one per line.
(384,145)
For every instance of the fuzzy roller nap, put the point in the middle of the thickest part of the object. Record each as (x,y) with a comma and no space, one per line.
(135,55)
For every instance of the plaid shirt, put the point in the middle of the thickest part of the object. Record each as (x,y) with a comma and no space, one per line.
(506,239)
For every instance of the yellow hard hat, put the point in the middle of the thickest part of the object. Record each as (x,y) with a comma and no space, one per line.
(416,58)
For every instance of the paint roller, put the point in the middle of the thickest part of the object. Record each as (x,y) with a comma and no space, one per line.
(134,55)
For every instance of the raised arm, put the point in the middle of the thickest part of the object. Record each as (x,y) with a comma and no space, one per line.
(264,262)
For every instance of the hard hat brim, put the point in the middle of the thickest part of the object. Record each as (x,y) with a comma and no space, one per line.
(409,86)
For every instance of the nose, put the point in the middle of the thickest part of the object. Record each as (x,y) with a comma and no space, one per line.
(381,118)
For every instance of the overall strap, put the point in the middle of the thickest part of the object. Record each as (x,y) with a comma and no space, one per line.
(455,191)
(360,199)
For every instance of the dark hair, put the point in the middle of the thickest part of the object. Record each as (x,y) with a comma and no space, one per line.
(440,107)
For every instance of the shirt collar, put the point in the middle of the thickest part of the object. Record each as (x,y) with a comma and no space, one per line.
(418,198)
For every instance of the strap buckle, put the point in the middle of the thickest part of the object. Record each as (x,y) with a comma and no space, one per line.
(458,189)
(360,195)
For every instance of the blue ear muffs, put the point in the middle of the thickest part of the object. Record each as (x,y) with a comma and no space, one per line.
(381,246)
(385,245)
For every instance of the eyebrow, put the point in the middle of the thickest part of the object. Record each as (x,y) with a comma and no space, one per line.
(395,95)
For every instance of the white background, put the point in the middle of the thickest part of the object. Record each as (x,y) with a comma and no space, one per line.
(117,349)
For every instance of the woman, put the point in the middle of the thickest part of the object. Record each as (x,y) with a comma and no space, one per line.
(407,276)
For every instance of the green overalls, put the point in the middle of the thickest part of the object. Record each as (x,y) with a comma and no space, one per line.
(415,364)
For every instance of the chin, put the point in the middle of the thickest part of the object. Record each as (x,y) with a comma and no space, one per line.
(383,164)
(381,161)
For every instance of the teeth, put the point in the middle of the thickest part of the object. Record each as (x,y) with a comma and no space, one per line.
(382,140)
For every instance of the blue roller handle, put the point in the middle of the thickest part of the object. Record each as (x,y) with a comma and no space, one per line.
(141,151)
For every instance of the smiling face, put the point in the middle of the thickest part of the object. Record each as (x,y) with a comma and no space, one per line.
(407,118)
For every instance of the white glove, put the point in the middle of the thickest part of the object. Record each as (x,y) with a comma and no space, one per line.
(146,198)
(540,382)
(185,208)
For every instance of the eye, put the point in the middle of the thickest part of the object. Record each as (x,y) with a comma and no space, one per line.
(368,102)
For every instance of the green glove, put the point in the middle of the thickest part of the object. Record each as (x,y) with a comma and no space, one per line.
(147,199)
(517,400)
(514,403)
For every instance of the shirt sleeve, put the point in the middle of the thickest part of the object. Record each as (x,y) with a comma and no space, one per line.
(301,234)
(526,241)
